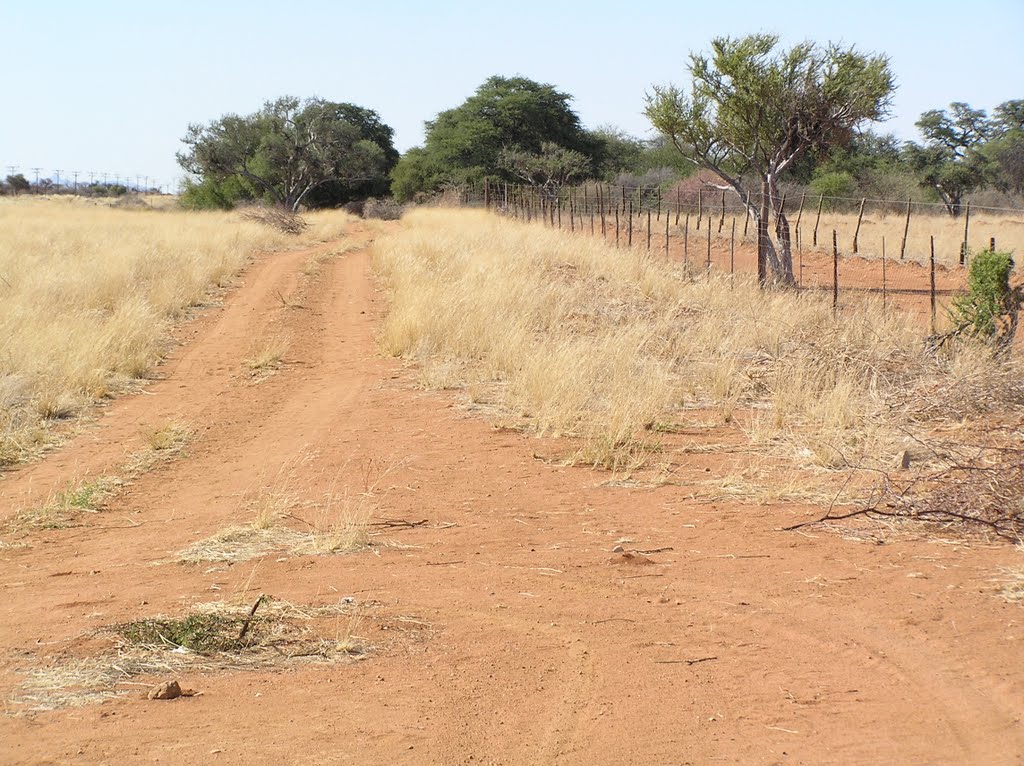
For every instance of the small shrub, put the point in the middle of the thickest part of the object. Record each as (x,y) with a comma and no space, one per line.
(355,207)
(990,307)
(386,209)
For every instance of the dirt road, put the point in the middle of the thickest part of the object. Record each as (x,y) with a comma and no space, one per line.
(523,623)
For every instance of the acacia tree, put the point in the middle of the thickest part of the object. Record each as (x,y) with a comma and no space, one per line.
(949,161)
(752,111)
(286,150)
(548,170)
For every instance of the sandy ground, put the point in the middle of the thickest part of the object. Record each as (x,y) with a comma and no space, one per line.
(506,629)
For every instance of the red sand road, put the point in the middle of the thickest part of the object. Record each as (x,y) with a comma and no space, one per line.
(507,630)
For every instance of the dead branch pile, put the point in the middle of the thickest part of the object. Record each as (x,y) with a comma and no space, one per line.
(278,218)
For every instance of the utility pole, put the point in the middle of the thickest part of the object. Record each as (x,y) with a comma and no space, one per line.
(92,177)
(57,172)
(76,181)
(11,169)
(36,171)
(105,178)
(145,183)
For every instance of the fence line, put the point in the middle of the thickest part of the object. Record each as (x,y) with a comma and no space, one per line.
(647,219)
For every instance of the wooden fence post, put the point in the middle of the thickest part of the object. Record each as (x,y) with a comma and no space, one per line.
(648,230)
(746,218)
(814,237)
(686,239)
(932,282)
(616,226)
(732,248)
(630,239)
(835,273)
(963,247)
(666,233)
(700,206)
(799,214)
(860,217)
(906,231)
(883,278)
(709,244)
(721,221)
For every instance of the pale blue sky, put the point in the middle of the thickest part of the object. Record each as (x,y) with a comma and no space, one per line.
(111,86)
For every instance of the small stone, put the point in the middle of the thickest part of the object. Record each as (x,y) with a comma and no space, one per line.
(618,549)
(168,690)
(903,459)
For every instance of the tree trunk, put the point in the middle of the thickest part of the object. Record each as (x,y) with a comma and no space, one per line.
(782,262)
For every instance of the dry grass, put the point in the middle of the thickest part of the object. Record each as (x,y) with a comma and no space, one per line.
(573,337)
(291,517)
(88,294)
(64,507)
(266,355)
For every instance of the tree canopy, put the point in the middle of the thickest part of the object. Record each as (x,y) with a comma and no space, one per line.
(289,152)
(465,144)
(753,110)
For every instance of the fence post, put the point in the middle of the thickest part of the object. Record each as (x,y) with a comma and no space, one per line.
(732,249)
(799,214)
(762,237)
(686,239)
(906,230)
(817,220)
(967,223)
(487,194)
(992,245)
(860,217)
(932,281)
(666,233)
(883,278)
(721,221)
(835,273)
(572,213)
(629,241)
(616,226)
(659,203)
(648,230)
(709,244)
(746,218)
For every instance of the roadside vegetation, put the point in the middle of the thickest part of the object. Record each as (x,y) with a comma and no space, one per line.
(90,292)
(569,336)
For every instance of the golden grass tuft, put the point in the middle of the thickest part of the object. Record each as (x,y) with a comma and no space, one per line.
(581,339)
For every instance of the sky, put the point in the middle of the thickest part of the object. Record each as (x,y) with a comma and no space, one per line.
(110,87)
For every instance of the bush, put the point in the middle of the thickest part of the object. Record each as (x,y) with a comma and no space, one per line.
(838,184)
(990,307)
(385,209)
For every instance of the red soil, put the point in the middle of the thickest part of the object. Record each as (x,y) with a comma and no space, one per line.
(735,642)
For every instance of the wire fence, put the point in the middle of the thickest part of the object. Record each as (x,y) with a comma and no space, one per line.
(901,256)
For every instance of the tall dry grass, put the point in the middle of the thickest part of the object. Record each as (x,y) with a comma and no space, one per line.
(88,292)
(582,339)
